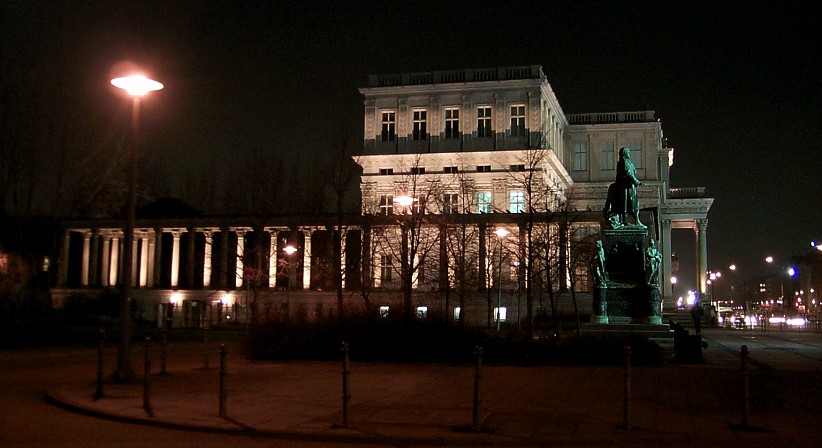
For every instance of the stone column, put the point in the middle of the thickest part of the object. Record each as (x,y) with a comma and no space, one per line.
(307,260)
(238,275)
(105,263)
(84,268)
(702,254)
(175,258)
(273,250)
(665,281)
(113,268)
(209,240)
(151,254)
(341,267)
(144,253)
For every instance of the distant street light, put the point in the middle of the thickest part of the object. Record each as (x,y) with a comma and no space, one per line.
(136,86)
(501,233)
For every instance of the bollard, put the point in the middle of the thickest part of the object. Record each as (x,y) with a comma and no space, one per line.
(98,393)
(477,401)
(346,395)
(205,349)
(626,399)
(163,350)
(743,354)
(147,381)
(223,390)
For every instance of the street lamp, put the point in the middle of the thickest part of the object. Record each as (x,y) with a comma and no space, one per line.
(289,250)
(501,233)
(136,86)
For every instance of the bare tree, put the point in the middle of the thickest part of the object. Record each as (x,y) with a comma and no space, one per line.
(415,242)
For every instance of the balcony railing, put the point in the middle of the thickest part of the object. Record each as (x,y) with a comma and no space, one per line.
(612,117)
(686,192)
(453,76)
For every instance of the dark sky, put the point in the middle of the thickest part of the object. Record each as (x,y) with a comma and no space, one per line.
(737,85)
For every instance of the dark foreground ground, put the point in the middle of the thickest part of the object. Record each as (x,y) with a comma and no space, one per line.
(423,404)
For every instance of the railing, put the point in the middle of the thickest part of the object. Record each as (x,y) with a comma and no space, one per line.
(453,76)
(686,192)
(612,117)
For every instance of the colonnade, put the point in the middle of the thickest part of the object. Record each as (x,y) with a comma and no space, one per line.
(102,252)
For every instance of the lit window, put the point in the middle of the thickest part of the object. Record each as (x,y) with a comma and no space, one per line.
(607,155)
(452,123)
(516,203)
(422,312)
(389,130)
(457,312)
(484,202)
(387,204)
(500,314)
(484,129)
(580,156)
(420,131)
(383,311)
(518,121)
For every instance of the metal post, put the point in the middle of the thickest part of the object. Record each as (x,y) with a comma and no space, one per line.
(345,389)
(98,393)
(743,354)
(626,400)
(223,390)
(477,400)
(205,349)
(163,350)
(147,381)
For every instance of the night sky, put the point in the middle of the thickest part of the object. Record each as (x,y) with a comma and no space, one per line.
(737,85)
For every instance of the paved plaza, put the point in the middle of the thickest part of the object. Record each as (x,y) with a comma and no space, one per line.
(423,404)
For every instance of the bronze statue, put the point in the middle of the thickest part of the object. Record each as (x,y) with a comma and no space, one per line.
(622,197)
(652,261)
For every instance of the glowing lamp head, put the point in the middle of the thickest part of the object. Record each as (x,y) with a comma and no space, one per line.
(501,232)
(791,272)
(289,250)
(404,201)
(136,85)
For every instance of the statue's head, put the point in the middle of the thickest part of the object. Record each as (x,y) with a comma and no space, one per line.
(652,243)
(625,152)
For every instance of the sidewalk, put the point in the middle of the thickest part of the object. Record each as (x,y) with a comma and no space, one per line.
(413,404)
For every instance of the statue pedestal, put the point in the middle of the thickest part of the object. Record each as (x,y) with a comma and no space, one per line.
(626,298)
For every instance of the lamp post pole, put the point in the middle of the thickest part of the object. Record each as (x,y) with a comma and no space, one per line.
(289,250)
(501,233)
(136,86)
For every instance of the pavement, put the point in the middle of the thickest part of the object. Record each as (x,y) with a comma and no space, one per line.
(433,404)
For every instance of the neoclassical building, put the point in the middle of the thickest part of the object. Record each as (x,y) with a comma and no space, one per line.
(475,183)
